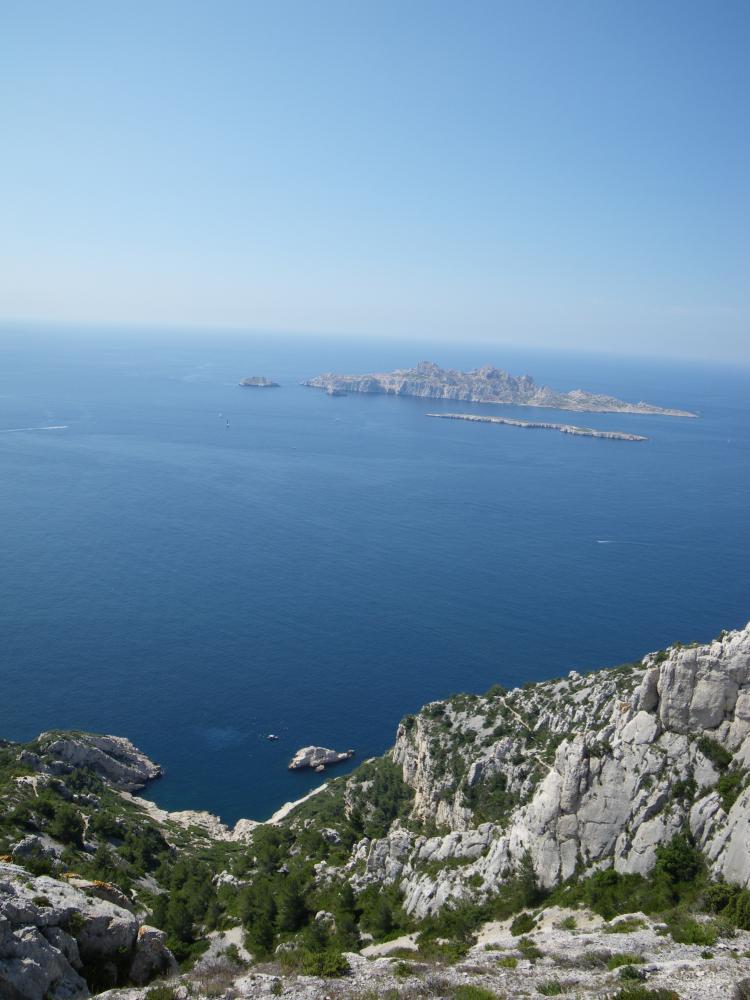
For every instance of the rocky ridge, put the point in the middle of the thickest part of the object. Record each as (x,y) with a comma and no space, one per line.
(481,385)
(582,773)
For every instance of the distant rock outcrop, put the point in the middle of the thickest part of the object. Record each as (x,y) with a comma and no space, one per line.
(481,385)
(541,425)
(258,382)
(318,758)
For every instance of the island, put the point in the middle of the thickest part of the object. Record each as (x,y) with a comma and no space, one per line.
(482,385)
(541,425)
(258,382)
(317,758)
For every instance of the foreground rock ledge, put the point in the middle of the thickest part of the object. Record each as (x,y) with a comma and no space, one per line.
(53,933)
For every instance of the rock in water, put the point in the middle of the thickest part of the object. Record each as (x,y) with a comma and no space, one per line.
(258,382)
(317,758)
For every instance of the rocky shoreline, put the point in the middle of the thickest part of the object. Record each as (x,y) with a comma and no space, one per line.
(541,425)
(631,782)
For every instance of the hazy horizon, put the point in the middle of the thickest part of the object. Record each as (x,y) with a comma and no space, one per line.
(415,348)
(551,177)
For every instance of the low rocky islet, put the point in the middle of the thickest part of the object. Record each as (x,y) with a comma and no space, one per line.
(541,425)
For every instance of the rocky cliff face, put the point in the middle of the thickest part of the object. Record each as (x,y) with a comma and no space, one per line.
(481,385)
(56,938)
(123,765)
(580,773)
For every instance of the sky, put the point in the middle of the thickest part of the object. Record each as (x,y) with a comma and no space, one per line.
(566,174)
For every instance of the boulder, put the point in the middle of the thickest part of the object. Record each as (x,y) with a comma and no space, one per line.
(152,957)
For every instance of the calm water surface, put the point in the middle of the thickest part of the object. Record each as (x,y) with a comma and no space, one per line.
(320,566)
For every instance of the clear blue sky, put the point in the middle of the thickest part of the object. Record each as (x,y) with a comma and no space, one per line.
(553,173)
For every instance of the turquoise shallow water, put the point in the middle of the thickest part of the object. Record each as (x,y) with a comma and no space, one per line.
(324,565)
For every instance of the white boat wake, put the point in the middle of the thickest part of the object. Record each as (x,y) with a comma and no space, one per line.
(20,430)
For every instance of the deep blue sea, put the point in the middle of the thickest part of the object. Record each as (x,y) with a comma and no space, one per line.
(322,566)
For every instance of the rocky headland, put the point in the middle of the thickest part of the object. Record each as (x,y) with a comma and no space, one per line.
(584,837)
(482,385)
(542,425)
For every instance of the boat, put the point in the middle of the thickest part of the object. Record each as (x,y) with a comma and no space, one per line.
(272,736)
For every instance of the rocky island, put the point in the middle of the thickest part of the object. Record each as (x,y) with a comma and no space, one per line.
(258,382)
(482,385)
(541,425)
(583,837)
(317,758)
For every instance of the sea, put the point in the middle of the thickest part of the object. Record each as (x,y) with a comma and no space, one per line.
(196,566)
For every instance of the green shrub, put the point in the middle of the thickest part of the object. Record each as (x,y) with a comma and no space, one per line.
(522,924)
(106,824)
(529,950)
(75,923)
(160,993)
(679,860)
(624,958)
(437,950)
(685,930)
(729,787)
(232,953)
(381,912)
(731,902)
(329,964)
(468,992)
(36,863)
(67,825)
(552,988)
(715,752)
(41,901)
(685,789)
(388,798)
(402,970)
(496,691)
(490,800)
(632,972)
(507,962)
